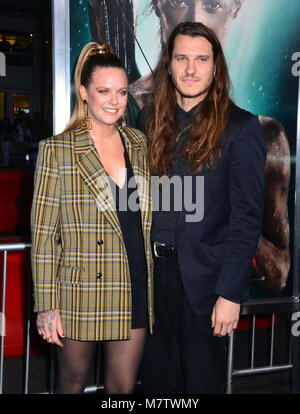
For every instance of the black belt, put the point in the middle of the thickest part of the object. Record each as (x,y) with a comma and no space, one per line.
(163,250)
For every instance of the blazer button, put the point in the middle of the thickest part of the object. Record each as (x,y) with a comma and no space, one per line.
(99,275)
(100,242)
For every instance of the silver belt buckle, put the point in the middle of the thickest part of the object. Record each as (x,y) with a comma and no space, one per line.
(155,244)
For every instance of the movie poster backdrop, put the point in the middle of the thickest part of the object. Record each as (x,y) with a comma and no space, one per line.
(260,40)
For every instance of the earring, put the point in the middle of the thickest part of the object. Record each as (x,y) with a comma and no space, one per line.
(86,122)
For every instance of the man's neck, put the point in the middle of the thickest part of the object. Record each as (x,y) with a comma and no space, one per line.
(188,103)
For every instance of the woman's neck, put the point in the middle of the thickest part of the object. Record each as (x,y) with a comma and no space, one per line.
(101,133)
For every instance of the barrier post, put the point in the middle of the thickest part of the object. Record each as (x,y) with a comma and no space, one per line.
(28,328)
(3,321)
(230,362)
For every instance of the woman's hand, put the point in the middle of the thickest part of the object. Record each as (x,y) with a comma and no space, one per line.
(49,326)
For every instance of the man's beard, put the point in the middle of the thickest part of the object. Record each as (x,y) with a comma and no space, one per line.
(199,94)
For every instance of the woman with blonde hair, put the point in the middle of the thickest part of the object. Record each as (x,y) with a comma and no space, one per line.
(91,256)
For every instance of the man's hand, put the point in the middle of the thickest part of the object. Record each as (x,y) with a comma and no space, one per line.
(225,316)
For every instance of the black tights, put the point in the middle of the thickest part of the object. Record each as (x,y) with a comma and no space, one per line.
(122,359)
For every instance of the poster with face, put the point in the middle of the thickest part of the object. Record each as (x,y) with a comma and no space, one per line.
(259,38)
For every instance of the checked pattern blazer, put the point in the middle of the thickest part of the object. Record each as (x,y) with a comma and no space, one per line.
(79,260)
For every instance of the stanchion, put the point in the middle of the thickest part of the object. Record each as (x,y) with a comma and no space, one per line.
(3,321)
(28,327)
(230,362)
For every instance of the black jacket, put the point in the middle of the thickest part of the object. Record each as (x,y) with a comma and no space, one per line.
(215,254)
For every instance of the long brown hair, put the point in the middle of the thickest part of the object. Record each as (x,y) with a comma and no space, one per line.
(204,143)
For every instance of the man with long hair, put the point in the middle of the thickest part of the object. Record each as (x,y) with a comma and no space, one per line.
(201,266)
(271,266)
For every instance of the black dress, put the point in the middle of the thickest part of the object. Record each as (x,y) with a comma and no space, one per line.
(131,226)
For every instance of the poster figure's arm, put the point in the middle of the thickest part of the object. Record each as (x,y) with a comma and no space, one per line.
(97,21)
(113,22)
(272,261)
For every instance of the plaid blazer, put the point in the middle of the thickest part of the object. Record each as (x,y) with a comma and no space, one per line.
(79,261)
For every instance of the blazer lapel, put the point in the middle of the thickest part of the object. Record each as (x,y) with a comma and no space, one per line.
(138,160)
(95,177)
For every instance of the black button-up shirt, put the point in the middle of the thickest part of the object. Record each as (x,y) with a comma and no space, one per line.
(164,223)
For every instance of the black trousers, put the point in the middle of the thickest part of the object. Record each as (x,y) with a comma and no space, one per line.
(182,356)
